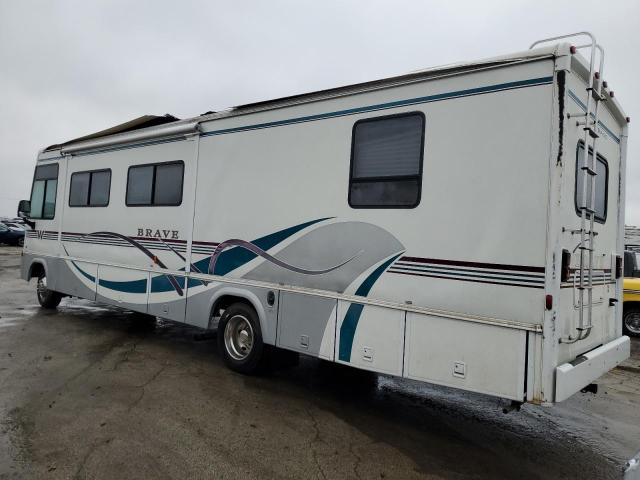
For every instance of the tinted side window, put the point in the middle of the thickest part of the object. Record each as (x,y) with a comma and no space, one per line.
(602,180)
(90,189)
(79,191)
(140,185)
(168,184)
(43,192)
(100,186)
(157,184)
(386,162)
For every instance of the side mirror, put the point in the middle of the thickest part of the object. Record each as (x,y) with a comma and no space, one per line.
(24,208)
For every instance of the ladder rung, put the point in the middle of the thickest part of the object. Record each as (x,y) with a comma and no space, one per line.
(592,132)
(589,170)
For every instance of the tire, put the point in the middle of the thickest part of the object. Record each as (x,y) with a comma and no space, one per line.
(20,242)
(240,340)
(47,298)
(631,321)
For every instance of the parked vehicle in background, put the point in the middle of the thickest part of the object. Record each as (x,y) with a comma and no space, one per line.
(631,286)
(14,226)
(11,236)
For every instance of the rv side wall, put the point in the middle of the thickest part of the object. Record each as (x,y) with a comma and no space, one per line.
(430,292)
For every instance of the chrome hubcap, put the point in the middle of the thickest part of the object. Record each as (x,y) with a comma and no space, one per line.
(238,337)
(632,322)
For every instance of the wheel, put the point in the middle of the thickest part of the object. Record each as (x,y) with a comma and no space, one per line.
(21,242)
(631,321)
(47,298)
(240,339)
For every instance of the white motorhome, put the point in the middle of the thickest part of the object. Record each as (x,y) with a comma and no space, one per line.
(460,225)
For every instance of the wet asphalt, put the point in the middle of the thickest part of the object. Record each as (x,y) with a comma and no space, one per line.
(91,391)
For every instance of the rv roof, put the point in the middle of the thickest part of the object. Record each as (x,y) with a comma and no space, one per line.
(120,133)
(145,121)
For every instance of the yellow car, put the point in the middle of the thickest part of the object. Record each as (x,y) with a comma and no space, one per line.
(631,298)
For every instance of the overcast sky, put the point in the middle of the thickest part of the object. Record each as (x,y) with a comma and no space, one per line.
(68,68)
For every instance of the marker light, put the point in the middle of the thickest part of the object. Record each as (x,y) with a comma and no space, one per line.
(573,49)
(565,266)
(548,302)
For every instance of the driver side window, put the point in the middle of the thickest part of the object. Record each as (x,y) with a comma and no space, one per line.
(43,192)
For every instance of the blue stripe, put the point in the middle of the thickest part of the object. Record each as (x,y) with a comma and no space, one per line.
(579,102)
(341,113)
(470,275)
(351,319)
(384,106)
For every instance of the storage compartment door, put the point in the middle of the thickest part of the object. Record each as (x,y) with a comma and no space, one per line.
(370,337)
(122,287)
(471,356)
(306,324)
(168,297)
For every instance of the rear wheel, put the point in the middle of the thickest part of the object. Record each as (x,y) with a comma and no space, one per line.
(631,321)
(47,298)
(240,339)
(21,242)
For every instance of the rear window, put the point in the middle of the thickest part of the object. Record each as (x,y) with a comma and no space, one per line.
(601,183)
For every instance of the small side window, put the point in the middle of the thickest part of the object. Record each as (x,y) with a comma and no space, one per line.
(90,189)
(386,162)
(601,183)
(159,184)
(43,192)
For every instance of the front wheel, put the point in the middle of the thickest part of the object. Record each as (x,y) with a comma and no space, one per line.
(47,298)
(631,321)
(240,339)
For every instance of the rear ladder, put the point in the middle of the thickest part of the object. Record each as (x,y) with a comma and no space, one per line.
(588,170)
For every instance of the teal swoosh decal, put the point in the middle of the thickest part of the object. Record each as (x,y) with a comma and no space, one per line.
(128,286)
(91,278)
(351,319)
(236,257)
(227,262)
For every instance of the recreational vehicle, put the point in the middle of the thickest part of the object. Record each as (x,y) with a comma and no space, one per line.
(460,225)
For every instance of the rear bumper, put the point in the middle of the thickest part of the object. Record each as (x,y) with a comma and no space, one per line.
(572,377)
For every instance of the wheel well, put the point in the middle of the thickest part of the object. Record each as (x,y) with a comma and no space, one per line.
(225,302)
(36,270)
